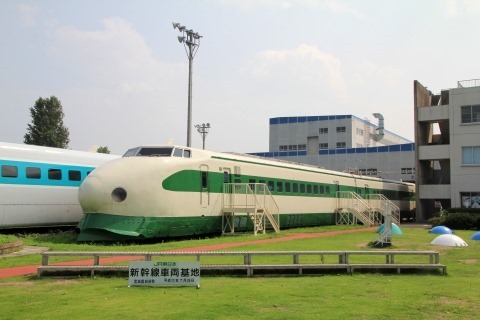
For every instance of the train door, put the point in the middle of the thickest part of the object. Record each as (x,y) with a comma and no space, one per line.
(204,186)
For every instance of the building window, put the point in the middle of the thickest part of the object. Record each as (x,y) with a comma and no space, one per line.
(283,148)
(341,129)
(323,130)
(359,132)
(323,146)
(470,155)
(470,114)
(470,199)
(341,145)
(292,147)
(302,147)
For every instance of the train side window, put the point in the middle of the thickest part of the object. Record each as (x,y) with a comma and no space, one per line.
(295,187)
(54,174)
(9,171)
(271,186)
(327,189)
(186,153)
(33,173)
(302,188)
(74,175)
(287,186)
(237,181)
(252,183)
(315,189)
(322,189)
(309,188)
(279,186)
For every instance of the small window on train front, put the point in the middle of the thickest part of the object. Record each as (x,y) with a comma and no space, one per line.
(54,174)
(186,153)
(9,171)
(178,152)
(74,175)
(33,173)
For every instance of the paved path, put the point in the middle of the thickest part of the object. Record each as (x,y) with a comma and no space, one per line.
(31,270)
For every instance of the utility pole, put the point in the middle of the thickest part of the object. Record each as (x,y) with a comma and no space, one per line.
(191,42)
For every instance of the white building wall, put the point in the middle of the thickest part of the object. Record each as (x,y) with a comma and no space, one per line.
(464,178)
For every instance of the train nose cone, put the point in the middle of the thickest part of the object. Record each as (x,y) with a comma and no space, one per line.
(91,194)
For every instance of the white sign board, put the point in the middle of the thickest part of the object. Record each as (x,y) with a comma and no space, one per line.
(163,273)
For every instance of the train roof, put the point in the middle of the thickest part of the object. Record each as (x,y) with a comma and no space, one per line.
(182,151)
(15,151)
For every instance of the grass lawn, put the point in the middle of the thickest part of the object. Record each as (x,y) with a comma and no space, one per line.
(422,295)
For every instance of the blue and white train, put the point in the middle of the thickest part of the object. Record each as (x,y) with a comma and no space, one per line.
(169,191)
(39,185)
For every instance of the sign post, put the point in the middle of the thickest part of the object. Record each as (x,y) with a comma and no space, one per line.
(164,273)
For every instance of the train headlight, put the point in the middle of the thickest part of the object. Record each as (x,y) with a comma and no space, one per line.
(119,194)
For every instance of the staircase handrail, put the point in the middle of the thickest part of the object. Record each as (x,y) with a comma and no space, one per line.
(252,196)
(384,204)
(357,205)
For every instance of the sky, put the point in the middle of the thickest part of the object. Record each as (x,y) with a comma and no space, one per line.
(122,76)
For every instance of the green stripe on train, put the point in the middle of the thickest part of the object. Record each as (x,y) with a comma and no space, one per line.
(98,226)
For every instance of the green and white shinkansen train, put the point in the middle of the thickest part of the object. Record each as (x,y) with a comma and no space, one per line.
(170,191)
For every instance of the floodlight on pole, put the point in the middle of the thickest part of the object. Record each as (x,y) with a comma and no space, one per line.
(191,42)
(203,130)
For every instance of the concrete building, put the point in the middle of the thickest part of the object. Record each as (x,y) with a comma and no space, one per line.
(447,153)
(342,143)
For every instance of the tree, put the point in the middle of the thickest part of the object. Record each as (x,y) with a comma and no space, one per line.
(103,150)
(47,127)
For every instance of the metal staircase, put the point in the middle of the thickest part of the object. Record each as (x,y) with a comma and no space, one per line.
(371,211)
(252,199)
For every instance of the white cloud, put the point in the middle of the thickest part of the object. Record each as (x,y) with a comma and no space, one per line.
(116,55)
(368,72)
(461,7)
(304,66)
(28,14)
(335,6)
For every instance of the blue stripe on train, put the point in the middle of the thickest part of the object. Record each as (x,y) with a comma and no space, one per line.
(68,172)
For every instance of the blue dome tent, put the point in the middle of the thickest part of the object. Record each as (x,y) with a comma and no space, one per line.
(395,229)
(441,230)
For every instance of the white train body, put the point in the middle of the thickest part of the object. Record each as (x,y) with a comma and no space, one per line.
(39,185)
(176,191)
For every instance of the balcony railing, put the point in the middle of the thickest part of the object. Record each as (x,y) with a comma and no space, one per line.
(468,83)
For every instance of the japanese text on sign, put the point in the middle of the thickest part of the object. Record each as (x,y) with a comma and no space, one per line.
(162,273)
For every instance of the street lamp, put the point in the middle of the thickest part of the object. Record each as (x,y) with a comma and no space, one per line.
(203,130)
(190,40)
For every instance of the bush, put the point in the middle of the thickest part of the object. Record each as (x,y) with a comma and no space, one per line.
(462,220)
(437,221)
